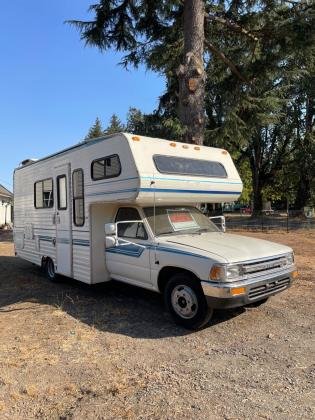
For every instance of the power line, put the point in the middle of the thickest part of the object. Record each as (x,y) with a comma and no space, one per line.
(6,182)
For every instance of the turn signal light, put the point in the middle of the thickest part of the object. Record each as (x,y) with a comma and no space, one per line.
(238,291)
(295,274)
(217,273)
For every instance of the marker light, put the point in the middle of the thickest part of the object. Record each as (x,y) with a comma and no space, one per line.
(135,138)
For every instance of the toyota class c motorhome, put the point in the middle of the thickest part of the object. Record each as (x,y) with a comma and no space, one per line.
(124,207)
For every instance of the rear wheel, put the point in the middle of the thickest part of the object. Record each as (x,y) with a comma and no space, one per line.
(186,302)
(49,269)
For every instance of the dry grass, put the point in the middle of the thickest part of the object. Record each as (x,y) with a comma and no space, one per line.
(70,351)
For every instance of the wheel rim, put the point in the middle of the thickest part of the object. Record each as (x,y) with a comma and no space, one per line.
(184,301)
(50,269)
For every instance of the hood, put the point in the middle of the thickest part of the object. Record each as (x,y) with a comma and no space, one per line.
(232,248)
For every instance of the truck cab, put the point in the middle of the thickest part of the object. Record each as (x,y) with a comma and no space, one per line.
(177,251)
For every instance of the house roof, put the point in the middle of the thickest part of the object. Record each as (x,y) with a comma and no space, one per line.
(4,192)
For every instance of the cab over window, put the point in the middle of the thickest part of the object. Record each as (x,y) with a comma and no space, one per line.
(187,166)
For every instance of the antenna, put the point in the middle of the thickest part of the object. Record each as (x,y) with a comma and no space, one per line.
(154,229)
(153,183)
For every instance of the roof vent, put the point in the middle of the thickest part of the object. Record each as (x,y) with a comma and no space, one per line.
(26,162)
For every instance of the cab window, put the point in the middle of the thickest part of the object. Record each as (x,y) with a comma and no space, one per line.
(131,229)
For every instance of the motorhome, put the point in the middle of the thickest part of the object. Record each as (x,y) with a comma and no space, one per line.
(124,207)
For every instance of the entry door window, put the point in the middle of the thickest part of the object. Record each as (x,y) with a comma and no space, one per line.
(62,192)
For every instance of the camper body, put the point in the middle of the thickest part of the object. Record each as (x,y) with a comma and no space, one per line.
(123,207)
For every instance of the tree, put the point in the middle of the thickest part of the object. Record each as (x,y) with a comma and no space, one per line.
(135,121)
(115,125)
(95,131)
(251,102)
(249,53)
(167,36)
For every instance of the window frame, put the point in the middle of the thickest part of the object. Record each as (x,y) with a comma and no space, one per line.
(52,190)
(104,158)
(185,173)
(58,192)
(78,198)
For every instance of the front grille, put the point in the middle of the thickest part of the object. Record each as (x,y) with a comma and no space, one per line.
(268,288)
(264,266)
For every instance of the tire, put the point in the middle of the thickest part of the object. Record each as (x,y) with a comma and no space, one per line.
(257,304)
(49,269)
(186,302)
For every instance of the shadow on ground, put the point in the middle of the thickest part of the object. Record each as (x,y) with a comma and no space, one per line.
(113,307)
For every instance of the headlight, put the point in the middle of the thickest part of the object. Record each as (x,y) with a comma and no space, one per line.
(290,258)
(223,272)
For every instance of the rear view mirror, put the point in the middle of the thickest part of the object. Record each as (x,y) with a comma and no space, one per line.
(110,229)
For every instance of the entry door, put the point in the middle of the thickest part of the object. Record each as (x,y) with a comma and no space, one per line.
(63,220)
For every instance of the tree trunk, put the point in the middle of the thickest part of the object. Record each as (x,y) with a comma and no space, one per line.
(257,196)
(306,160)
(191,73)
(257,184)
(303,193)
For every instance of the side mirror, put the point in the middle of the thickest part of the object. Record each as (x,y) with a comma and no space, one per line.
(110,242)
(110,229)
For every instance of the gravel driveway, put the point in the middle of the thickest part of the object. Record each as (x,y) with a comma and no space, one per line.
(69,351)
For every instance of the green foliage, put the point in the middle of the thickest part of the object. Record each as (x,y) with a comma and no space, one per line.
(115,125)
(95,131)
(259,90)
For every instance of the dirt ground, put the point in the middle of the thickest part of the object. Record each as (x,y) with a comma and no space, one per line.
(69,351)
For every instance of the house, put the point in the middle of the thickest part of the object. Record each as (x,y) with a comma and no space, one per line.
(6,205)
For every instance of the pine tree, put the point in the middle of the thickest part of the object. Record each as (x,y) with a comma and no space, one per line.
(95,131)
(252,102)
(115,125)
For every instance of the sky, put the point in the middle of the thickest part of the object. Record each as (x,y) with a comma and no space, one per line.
(52,87)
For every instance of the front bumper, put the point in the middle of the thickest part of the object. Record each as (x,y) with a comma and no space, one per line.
(243,292)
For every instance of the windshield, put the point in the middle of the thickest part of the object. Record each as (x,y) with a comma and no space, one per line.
(177,219)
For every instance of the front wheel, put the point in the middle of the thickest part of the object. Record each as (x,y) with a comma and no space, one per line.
(186,302)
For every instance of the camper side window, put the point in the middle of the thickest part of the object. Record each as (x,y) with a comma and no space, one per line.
(78,197)
(106,167)
(43,194)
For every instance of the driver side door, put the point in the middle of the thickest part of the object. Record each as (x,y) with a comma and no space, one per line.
(129,260)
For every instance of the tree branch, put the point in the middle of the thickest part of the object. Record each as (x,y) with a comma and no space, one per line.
(235,27)
(227,61)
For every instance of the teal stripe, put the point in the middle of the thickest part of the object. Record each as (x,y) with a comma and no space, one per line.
(170,190)
(149,178)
